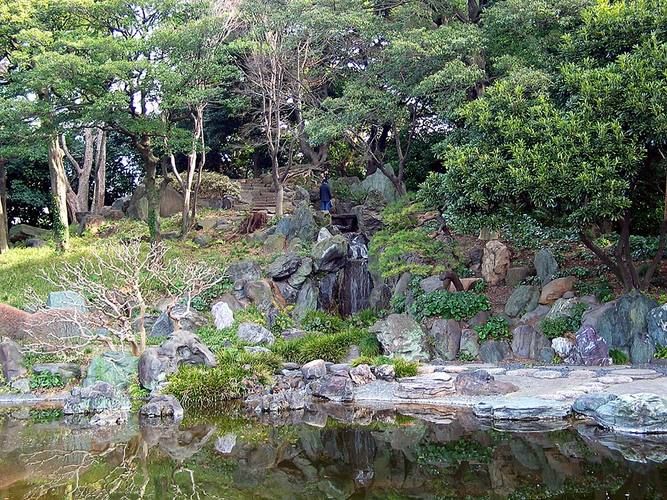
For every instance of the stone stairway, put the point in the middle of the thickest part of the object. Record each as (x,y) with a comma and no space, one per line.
(259,194)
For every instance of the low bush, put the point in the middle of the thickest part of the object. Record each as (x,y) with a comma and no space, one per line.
(322,322)
(558,327)
(46,380)
(660,352)
(618,357)
(450,305)
(402,367)
(496,328)
(363,319)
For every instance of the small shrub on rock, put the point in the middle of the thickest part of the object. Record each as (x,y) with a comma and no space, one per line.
(450,305)
(618,357)
(323,322)
(496,328)
(558,327)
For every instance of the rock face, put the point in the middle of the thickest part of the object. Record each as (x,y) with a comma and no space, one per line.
(641,413)
(362,375)
(306,300)
(563,347)
(330,255)
(66,300)
(314,369)
(333,388)
(469,343)
(98,398)
(481,383)
(369,215)
(379,182)
(299,277)
(252,333)
(522,409)
(545,265)
(400,336)
(116,368)
(621,320)
(555,289)
(163,407)
(495,263)
(494,351)
(436,386)
(531,344)
(284,266)
(589,403)
(384,372)
(657,325)
(223,316)
(446,335)
(155,364)
(524,299)
(642,349)
(590,349)
(259,293)
(247,270)
(302,224)
(11,360)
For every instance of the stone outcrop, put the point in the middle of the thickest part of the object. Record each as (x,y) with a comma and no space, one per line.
(163,406)
(334,388)
(400,336)
(545,265)
(555,289)
(98,398)
(183,347)
(495,263)
(437,385)
(494,351)
(330,255)
(641,413)
(524,299)
(531,344)
(446,337)
(223,316)
(117,368)
(657,325)
(252,333)
(11,360)
(481,383)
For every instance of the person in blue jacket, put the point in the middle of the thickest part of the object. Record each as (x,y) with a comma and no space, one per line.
(325,195)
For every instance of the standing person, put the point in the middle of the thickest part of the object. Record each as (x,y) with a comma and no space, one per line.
(325,195)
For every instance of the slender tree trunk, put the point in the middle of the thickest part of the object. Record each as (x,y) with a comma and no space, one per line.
(58,194)
(143,145)
(99,192)
(277,183)
(4,226)
(189,211)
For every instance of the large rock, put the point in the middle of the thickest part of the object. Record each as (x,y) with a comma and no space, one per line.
(531,344)
(183,347)
(300,276)
(555,289)
(247,270)
(287,291)
(620,320)
(330,255)
(314,369)
(362,375)
(524,299)
(98,398)
(515,275)
(23,232)
(163,406)
(260,294)
(563,347)
(641,413)
(590,349)
(589,403)
(469,343)
(400,336)
(116,368)
(306,301)
(437,385)
(252,333)
(369,215)
(432,284)
(446,335)
(334,388)
(284,266)
(186,318)
(11,360)
(657,325)
(642,349)
(223,316)
(379,182)
(522,409)
(562,308)
(380,298)
(545,265)
(302,224)
(481,383)
(494,351)
(67,300)
(495,263)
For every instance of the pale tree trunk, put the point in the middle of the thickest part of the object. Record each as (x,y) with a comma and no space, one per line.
(277,183)
(189,210)
(4,236)
(100,171)
(78,201)
(58,194)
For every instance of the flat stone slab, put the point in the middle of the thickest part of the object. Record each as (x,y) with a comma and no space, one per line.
(615,379)
(522,408)
(638,373)
(436,385)
(589,374)
(521,372)
(547,374)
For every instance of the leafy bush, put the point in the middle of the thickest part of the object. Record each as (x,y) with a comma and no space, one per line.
(282,322)
(331,347)
(363,319)
(320,321)
(450,305)
(465,357)
(660,352)
(558,327)
(599,287)
(46,380)
(369,345)
(216,185)
(398,303)
(236,374)
(402,367)
(618,357)
(204,300)
(496,327)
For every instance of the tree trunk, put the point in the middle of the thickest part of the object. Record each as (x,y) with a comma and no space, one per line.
(377,145)
(280,193)
(4,226)
(100,189)
(58,194)
(277,183)
(143,145)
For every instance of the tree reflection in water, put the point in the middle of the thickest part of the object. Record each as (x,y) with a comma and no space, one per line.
(336,452)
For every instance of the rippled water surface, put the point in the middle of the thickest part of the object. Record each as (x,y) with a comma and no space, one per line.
(332,453)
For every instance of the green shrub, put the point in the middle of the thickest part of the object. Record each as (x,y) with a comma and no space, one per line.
(600,288)
(369,345)
(46,380)
(558,327)
(398,303)
(660,352)
(323,322)
(282,322)
(618,357)
(363,319)
(450,305)
(203,301)
(236,373)
(465,357)
(331,347)
(496,327)
(402,367)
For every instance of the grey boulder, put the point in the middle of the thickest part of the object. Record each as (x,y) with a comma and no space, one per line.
(400,336)
(252,333)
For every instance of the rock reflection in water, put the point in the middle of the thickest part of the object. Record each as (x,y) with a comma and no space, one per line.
(334,452)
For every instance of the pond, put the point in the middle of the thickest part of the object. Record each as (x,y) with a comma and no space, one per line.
(335,452)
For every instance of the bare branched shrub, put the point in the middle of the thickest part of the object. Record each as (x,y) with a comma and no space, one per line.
(119,284)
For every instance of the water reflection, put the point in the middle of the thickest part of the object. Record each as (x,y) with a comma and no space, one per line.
(335,452)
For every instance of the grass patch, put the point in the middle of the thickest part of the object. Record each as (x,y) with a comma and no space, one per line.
(331,347)
(402,367)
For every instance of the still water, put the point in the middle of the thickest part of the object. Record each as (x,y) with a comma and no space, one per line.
(331,453)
